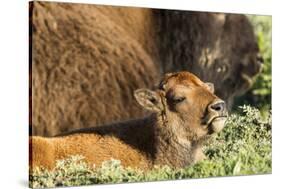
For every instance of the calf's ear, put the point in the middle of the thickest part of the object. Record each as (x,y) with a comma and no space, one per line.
(148,99)
(210,87)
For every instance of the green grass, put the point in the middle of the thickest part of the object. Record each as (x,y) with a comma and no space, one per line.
(243,147)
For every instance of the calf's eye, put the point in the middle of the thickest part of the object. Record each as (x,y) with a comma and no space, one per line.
(178,100)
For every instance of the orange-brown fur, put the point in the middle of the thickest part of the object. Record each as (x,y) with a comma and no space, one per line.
(87,60)
(45,151)
(171,135)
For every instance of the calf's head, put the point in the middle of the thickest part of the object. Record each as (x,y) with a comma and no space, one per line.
(186,105)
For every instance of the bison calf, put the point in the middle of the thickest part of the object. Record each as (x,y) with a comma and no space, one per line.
(184,111)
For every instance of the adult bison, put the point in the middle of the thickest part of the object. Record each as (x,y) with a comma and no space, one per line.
(87,60)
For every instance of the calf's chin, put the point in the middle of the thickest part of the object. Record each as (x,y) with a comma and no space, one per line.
(217,124)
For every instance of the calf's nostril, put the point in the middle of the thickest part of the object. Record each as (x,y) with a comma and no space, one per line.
(218,106)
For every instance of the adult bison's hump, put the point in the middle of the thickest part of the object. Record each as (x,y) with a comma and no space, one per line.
(84,69)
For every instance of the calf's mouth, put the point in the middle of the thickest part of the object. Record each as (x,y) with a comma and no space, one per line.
(216,124)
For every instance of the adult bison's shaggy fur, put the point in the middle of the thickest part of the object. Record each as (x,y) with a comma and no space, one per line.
(185,111)
(87,60)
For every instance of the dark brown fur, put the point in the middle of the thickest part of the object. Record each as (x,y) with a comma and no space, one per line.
(87,60)
(172,135)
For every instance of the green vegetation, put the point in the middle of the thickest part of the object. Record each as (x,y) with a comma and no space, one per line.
(243,147)
(260,94)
